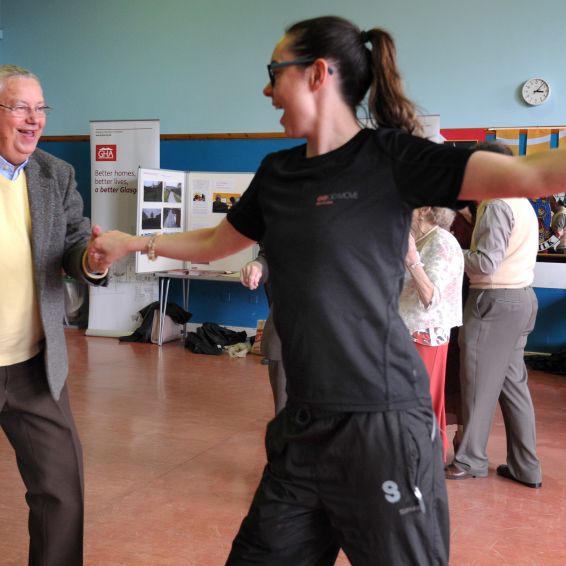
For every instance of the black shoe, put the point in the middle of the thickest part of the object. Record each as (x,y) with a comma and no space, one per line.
(504,472)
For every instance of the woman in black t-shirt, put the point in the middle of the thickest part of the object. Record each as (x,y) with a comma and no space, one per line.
(354,460)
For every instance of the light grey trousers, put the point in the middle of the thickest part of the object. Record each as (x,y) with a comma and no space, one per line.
(271,349)
(492,343)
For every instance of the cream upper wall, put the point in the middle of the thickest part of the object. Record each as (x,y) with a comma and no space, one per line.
(199,65)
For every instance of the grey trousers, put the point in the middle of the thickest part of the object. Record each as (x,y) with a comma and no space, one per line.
(492,344)
(271,349)
(278,382)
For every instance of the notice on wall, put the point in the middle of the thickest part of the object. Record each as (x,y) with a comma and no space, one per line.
(118,149)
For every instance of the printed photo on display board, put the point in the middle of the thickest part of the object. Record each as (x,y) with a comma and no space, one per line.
(171,217)
(173,194)
(151,218)
(153,191)
(223,202)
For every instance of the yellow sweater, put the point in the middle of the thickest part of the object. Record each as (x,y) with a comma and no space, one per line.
(21,331)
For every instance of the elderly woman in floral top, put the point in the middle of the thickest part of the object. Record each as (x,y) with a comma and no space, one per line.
(431,301)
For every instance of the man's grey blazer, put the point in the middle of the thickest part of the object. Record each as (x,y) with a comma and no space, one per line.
(60,234)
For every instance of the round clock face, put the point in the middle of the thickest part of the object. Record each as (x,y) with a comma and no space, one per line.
(535,91)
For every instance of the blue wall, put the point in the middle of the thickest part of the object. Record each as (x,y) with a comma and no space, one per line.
(199,65)
(229,304)
(549,334)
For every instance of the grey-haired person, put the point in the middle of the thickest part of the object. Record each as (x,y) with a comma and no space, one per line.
(42,233)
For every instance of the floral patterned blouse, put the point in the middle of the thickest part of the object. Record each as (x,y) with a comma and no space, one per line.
(444,264)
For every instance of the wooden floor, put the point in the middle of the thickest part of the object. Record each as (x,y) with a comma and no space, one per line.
(173,446)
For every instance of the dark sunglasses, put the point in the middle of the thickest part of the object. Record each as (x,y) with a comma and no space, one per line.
(303,62)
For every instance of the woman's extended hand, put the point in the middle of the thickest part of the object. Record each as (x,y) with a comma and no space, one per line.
(107,247)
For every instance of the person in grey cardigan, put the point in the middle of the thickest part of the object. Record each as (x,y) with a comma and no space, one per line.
(251,275)
(499,314)
(42,234)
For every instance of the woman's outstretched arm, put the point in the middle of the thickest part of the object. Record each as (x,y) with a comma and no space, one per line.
(198,246)
(491,175)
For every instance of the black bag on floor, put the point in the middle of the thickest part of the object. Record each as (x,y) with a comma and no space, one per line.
(210,338)
(221,335)
(197,343)
(143,332)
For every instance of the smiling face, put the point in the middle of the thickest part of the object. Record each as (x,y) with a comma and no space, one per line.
(291,93)
(19,136)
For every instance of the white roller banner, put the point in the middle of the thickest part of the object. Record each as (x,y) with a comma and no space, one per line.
(117,150)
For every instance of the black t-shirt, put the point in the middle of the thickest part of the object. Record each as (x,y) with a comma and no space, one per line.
(335,229)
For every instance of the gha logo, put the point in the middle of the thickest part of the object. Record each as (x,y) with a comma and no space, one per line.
(106,152)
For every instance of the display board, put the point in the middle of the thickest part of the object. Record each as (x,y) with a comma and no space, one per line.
(175,201)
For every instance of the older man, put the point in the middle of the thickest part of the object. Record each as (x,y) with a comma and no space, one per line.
(500,313)
(42,233)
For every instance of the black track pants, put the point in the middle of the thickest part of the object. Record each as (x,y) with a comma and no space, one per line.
(369,483)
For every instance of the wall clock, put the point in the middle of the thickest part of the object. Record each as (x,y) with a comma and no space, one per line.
(535,91)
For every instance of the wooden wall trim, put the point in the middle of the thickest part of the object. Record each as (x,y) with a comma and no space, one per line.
(236,136)
(228,136)
(64,138)
(225,136)
(260,135)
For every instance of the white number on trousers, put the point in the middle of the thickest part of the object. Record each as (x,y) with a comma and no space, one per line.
(391,490)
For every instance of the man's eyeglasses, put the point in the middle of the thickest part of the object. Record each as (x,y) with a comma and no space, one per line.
(23,111)
(304,62)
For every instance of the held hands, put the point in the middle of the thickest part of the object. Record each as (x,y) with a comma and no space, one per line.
(90,263)
(250,274)
(105,248)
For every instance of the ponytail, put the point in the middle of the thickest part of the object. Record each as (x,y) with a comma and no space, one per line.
(388,106)
(360,69)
